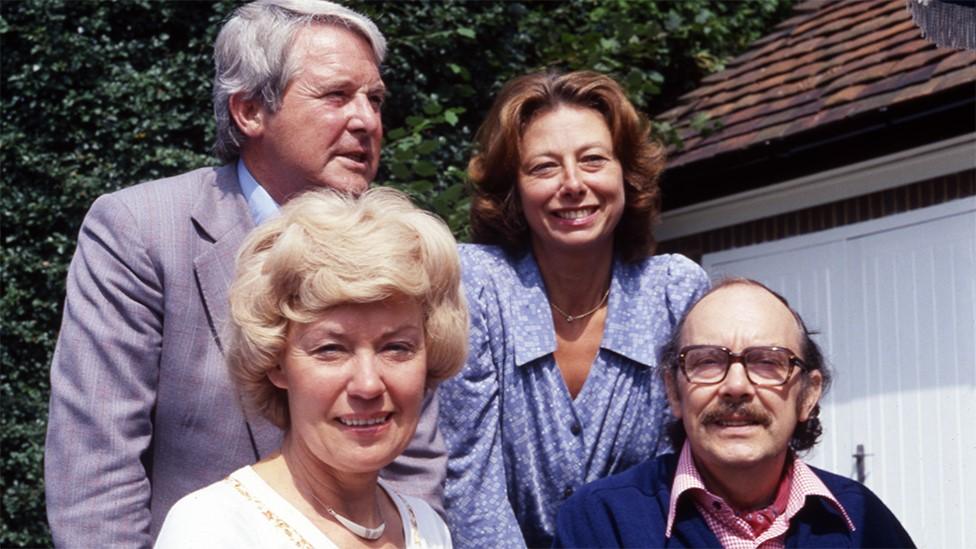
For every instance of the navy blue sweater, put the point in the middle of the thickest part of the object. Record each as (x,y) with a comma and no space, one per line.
(631,510)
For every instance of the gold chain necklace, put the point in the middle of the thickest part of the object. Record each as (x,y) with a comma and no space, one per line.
(571,318)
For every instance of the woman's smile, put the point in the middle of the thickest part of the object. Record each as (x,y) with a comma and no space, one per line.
(576,214)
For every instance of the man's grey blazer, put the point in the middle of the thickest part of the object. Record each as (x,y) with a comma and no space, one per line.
(142,409)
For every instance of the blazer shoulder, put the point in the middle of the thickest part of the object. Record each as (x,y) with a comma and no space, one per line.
(181,190)
(209,198)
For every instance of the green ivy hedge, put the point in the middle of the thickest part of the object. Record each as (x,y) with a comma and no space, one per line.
(99,95)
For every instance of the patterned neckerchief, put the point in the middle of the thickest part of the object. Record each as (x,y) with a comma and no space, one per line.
(733,530)
(761,519)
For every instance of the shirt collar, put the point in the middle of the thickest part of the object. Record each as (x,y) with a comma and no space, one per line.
(536,334)
(686,479)
(805,483)
(259,202)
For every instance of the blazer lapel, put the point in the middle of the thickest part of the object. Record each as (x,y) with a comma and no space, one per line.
(222,217)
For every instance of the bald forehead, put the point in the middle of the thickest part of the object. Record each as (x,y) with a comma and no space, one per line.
(740,316)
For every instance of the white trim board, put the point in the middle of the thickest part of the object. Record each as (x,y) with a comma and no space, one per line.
(877,174)
(861,229)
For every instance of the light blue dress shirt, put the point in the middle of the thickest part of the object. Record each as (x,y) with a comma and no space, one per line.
(518,444)
(259,202)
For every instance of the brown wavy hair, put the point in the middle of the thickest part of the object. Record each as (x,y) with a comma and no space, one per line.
(496,213)
(807,433)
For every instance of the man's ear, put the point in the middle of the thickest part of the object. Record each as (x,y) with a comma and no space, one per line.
(248,114)
(278,377)
(810,394)
(671,387)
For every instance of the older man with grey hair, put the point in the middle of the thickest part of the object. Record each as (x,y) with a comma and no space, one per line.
(142,410)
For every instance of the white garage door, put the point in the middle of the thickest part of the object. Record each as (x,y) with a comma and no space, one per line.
(895,303)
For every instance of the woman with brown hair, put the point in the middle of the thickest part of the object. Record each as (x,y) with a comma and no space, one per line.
(568,308)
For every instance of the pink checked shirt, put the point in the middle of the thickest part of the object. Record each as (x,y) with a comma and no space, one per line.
(732,531)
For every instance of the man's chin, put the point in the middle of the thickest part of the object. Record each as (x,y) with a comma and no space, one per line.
(354,183)
(741,456)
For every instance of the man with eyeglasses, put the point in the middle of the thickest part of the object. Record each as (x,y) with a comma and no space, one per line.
(744,380)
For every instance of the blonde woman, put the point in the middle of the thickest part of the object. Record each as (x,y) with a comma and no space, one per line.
(344,312)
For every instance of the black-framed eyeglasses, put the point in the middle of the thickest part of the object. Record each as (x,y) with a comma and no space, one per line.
(765,366)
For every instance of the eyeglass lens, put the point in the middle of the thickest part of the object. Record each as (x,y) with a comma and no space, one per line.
(764,365)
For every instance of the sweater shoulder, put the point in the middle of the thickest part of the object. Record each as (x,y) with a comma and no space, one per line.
(648,479)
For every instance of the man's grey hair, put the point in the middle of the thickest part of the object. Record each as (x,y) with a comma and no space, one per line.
(252,56)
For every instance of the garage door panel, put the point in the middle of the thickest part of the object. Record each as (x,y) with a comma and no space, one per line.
(808,277)
(911,413)
(896,301)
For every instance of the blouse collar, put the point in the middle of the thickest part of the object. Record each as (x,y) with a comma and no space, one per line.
(535,334)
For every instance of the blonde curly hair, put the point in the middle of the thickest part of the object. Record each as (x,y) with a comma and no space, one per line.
(327,249)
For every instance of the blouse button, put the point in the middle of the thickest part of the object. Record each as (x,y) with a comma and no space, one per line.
(567,492)
(575,429)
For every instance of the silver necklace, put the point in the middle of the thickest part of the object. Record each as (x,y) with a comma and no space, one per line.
(354,527)
(571,318)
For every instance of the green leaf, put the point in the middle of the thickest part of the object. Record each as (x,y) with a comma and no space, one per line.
(404,151)
(432,107)
(421,187)
(400,170)
(424,168)
(451,117)
(427,146)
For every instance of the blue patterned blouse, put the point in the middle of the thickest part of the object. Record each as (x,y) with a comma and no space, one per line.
(518,444)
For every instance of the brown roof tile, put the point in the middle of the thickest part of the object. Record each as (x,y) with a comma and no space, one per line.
(758,123)
(873,22)
(964,77)
(956,60)
(863,76)
(845,95)
(840,12)
(874,40)
(803,69)
(832,60)
(922,59)
(902,80)
(919,90)
(882,100)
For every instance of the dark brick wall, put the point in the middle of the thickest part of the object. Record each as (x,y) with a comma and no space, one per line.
(827,216)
